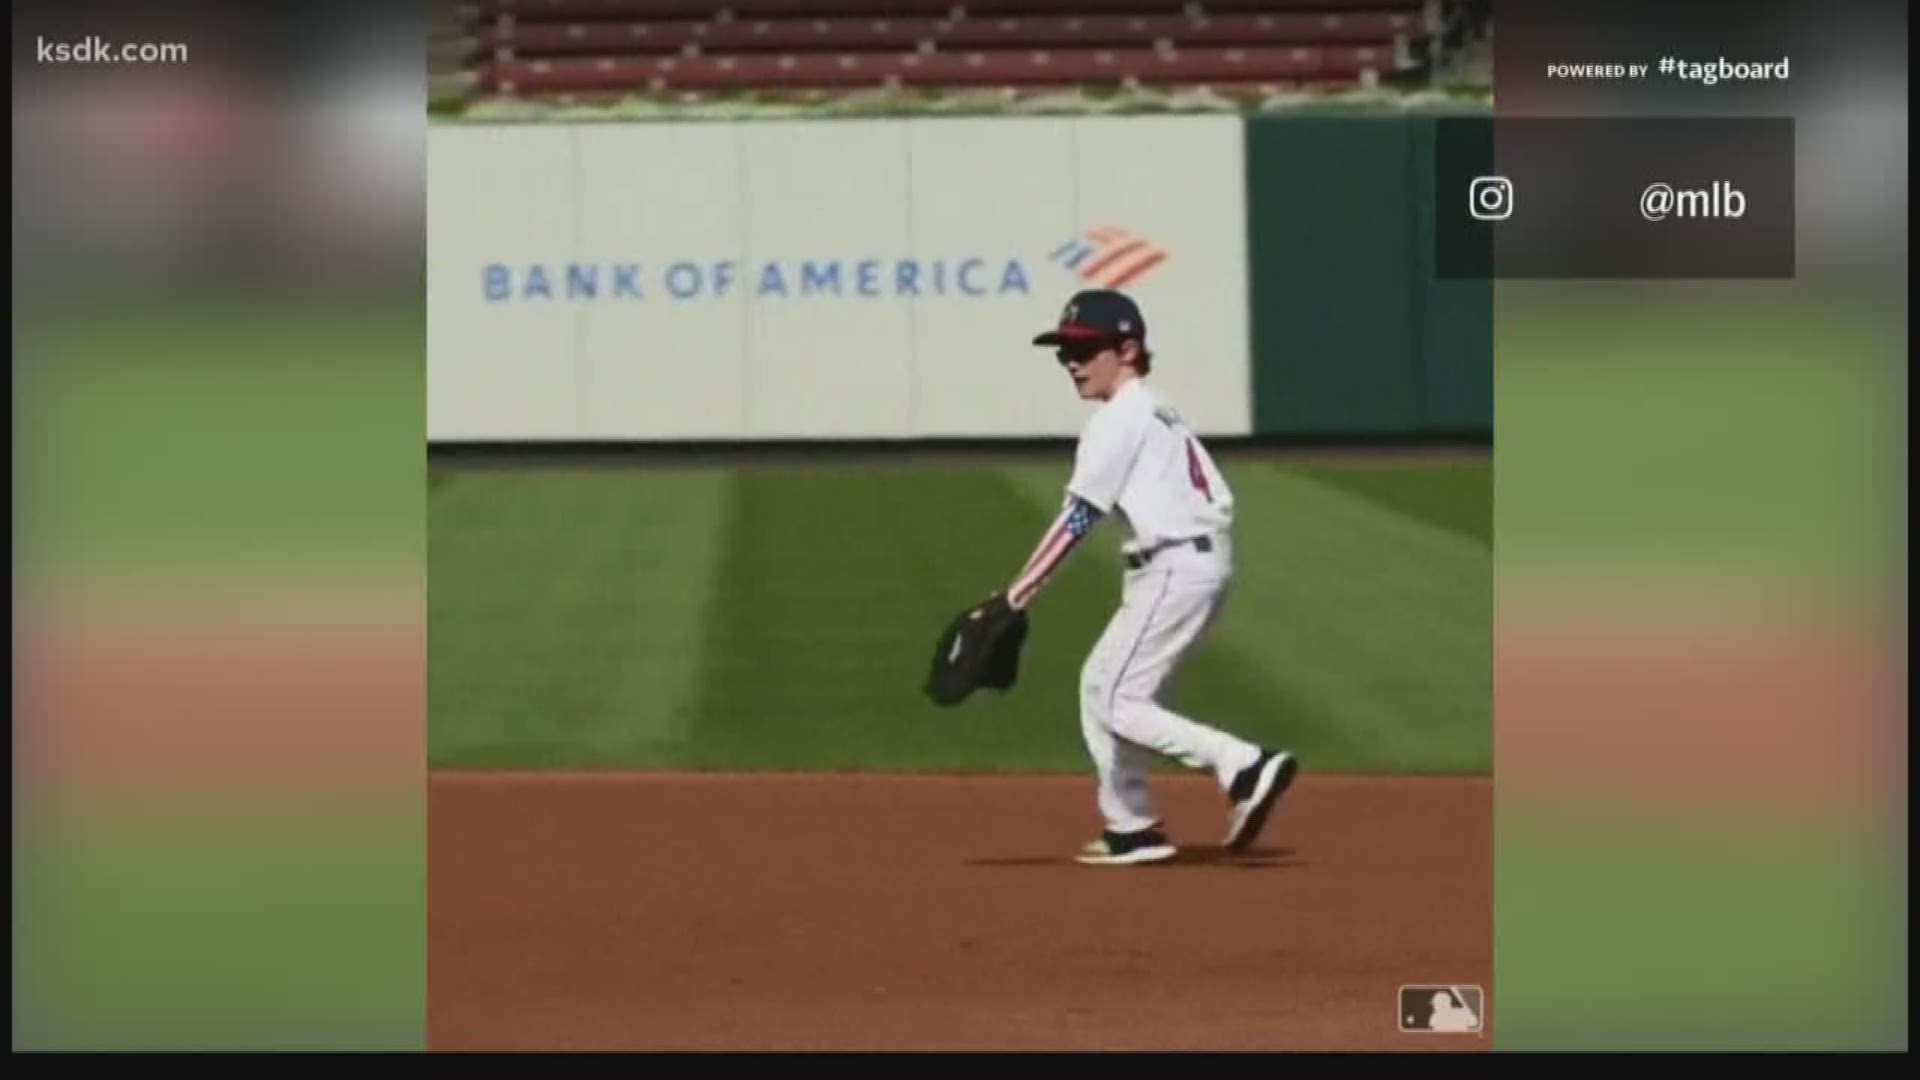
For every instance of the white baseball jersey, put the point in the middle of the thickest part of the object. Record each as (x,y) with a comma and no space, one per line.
(1137,459)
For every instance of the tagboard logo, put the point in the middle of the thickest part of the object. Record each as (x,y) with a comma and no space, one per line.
(1109,256)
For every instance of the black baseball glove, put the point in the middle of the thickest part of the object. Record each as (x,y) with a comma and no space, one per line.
(980,647)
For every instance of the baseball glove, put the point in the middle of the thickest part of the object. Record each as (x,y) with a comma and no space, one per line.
(980,647)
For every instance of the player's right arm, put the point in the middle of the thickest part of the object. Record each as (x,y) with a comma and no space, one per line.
(1077,519)
(1101,462)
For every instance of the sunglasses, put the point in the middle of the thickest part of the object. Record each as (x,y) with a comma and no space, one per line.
(1080,352)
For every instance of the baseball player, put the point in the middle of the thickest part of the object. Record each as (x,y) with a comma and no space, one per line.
(1137,461)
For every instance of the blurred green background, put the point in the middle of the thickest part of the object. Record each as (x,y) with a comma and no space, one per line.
(1699,498)
(219,826)
(191,435)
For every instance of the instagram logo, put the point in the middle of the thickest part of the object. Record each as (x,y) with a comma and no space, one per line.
(1490,198)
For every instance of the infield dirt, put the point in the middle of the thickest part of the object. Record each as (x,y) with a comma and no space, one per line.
(690,911)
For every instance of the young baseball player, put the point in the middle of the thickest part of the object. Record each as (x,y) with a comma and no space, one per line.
(1136,460)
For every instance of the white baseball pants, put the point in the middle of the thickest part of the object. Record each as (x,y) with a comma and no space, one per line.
(1165,606)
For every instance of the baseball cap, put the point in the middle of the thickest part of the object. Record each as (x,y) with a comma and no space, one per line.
(1097,315)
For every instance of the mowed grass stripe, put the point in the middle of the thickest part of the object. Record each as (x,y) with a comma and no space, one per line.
(835,585)
(1370,630)
(784,619)
(1452,495)
(566,615)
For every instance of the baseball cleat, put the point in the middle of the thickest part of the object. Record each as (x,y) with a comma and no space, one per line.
(1127,849)
(1255,791)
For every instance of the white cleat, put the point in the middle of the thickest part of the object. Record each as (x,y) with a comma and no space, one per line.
(1128,849)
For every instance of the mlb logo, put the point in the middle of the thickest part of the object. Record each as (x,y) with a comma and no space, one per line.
(1442,1010)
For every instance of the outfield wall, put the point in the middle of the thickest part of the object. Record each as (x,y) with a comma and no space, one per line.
(882,279)
(810,279)
(1353,333)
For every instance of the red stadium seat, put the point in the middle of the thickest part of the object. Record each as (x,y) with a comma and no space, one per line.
(1075,67)
(544,47)
(527,40)
(736,9)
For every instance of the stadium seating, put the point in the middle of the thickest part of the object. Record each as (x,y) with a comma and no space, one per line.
(602,47)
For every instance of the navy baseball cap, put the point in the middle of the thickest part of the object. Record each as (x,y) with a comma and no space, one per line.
(1097,315)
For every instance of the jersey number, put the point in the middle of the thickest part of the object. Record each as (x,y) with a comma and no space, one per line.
(1197,474)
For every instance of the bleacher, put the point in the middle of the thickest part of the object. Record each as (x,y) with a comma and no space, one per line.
(596,49)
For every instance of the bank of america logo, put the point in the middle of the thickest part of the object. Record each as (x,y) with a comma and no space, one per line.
(1449,1009)
(1109,256)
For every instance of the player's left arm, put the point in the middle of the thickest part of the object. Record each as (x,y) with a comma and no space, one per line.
(1077,519)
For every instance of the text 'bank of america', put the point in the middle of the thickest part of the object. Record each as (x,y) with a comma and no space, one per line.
(1107,256)
(777,280)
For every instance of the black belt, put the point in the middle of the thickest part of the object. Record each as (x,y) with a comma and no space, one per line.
(1136,560)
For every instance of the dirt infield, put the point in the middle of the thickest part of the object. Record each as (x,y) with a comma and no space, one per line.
(858,912)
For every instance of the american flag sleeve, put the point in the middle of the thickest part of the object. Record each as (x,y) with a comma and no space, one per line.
(1076,520)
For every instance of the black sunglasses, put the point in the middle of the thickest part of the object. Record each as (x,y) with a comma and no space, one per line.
(1080,352)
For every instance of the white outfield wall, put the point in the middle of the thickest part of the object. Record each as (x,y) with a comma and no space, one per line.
(824,279)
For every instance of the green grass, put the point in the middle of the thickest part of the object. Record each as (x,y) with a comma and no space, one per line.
(781,618)
(564,613)
(1696,934)
(1744,434)
(1457,498)
(284,438)
(180,930)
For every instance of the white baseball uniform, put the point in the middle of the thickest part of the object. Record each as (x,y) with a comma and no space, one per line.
(1138,461)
